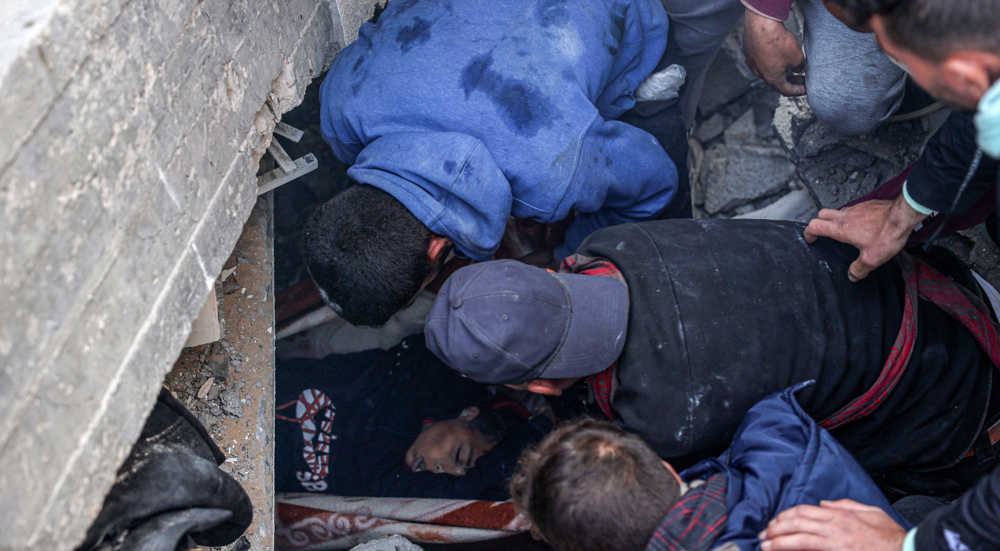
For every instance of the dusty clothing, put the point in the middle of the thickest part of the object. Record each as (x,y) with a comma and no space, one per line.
(170,491)
(469,112)
(778,459)
(344,424)
(758,310)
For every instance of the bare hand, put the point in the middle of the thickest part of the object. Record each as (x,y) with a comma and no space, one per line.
(774,55)
(879,229)
(843,525)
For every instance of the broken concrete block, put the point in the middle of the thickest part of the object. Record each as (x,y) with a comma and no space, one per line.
(737,175)
(797,206)
(791,118)
(711,128)
(742,130)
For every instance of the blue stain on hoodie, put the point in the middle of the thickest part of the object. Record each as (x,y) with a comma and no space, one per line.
(472,111)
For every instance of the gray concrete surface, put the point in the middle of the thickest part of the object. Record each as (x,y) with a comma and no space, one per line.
(132,131)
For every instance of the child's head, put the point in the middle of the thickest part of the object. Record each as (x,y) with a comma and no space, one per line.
(592,486)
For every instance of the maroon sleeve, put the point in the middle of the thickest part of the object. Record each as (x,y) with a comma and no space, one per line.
(775,9)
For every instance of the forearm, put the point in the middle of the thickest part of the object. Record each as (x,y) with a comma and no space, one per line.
(947,161)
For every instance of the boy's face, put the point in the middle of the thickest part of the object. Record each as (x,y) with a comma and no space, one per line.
(451,446)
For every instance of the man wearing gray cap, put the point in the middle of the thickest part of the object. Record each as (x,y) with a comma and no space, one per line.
(678,327)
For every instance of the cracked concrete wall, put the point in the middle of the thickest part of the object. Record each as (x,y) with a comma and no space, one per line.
(132,131)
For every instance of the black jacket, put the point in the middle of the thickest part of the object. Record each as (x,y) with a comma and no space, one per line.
(940,170)
(378,402)
(972,522)
(725,312)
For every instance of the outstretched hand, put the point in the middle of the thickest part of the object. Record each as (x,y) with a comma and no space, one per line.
(773,54)
(842,525)
(879,229)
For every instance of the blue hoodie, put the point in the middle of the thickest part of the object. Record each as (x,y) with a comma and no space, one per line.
(469,111)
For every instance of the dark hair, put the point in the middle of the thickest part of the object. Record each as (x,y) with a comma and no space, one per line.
(933,29)
(592,486)
(367,253)
(495,422)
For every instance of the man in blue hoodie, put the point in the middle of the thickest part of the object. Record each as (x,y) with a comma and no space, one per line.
(457,115)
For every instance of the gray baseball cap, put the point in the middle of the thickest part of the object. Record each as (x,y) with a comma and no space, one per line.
(505,322)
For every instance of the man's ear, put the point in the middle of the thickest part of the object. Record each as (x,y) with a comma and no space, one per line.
(968,73)
(439,245)
(469,413)
(543,386)
(672,471)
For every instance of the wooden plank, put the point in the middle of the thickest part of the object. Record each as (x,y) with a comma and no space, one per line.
(284,161)
(288,131)
(278,177)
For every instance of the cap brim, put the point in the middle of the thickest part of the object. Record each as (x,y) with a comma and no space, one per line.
(597,329)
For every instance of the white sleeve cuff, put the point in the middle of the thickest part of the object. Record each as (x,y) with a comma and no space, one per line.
(913,204)
(908,543)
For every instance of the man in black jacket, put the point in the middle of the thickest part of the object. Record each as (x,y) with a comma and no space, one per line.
(700,319)
(953,50)
(954,54)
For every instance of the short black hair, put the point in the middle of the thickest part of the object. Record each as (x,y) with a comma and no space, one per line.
(367,253)
(592,486)
(933,29)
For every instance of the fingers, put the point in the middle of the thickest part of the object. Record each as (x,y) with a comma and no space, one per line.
(788,88)
(822,228)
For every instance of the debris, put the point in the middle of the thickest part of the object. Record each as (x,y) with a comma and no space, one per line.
(203,391)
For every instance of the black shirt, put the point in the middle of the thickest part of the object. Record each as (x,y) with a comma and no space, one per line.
(371,406)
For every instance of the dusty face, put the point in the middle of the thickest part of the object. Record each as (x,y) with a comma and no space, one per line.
(451,446)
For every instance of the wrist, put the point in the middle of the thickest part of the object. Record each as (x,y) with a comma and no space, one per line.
(755,19)
(902,216)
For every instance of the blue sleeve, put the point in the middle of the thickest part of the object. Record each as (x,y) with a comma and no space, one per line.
(623,176)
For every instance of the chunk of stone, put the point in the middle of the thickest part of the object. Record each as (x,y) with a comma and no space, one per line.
(230,401)
(737,175)
(743,130)
(711,128)
(797,206)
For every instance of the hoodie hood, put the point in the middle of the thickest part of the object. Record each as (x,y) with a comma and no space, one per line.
(448,180)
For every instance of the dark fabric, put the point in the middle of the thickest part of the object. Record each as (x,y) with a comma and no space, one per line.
(781,458)
(922,280)
(757,310)
(971,523)
(696,521)
(916,508)
(665,121)
(940,170)
(170,491)
(373,405)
